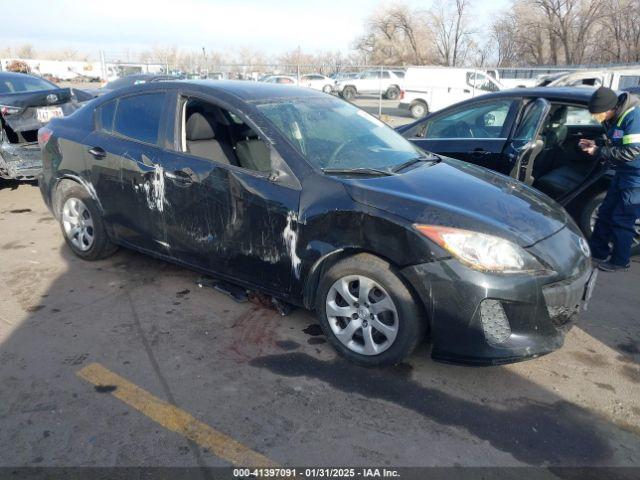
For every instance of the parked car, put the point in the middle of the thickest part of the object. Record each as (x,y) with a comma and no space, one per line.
(546,79)
(337,77)
(634,90)
(27,103)
(385,82)
(428,89)
(129,80)
(489,131)
(614,78)
(281,80)
(517,77)
(307,198)
(317,82)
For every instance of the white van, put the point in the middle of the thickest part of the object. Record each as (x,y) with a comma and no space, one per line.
(427,89)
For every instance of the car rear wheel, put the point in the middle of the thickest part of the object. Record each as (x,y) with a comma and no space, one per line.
(419,110)
(589,216)
(367,313)
(327,89)
(392,93)
(348,93)
(82,224)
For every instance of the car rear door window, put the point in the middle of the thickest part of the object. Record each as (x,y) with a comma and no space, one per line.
(138,117)
(104,116)
(579,116)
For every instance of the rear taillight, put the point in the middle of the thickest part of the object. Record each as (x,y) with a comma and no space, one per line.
(44,134)
(401,94)
(7,110)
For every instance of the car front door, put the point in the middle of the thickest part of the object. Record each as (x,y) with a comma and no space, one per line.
(235,220)
(122,157)
(476,132)
(526,143)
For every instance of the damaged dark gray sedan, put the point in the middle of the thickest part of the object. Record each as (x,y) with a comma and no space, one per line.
(26,104)
(305,197)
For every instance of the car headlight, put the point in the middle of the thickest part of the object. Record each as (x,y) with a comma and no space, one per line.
(483,252)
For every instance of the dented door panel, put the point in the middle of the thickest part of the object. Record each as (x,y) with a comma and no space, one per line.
(128,177)
(229,220)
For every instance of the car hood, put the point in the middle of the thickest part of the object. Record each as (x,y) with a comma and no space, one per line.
(461,195)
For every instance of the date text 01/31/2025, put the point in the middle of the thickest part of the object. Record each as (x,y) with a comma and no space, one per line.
(338,473)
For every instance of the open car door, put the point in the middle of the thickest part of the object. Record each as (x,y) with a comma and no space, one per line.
(525,144)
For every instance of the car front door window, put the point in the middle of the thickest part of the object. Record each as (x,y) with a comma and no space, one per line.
(483,120)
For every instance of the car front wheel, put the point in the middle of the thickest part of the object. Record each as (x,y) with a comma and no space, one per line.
(367,313)
(81,223)
(327,89)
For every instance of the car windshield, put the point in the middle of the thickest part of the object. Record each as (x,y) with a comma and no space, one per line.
(333,134)
(23,84)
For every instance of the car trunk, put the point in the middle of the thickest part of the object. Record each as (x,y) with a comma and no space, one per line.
(21,115)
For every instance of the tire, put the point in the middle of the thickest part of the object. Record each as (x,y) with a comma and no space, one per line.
(81,223)
(589,213)
(400,319)
(327,89)
(419,110)
(348,92)
(392,93)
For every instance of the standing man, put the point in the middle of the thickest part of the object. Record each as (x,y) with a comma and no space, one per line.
(621,207)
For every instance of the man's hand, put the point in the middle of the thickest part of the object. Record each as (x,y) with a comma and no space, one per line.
(588,146)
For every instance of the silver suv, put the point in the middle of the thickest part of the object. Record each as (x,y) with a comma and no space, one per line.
(372,81)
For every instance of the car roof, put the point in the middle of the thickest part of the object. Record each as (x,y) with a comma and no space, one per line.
(245,90)
(576,94)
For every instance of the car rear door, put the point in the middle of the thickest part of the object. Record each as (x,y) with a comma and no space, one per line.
(122,157)
(476,132)
(222,217)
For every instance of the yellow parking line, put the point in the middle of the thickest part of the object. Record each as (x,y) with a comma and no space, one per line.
(174,419)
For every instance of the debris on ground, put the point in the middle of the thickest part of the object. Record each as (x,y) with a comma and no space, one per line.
(235,292)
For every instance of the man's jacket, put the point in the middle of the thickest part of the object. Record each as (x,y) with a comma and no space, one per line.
(622,147)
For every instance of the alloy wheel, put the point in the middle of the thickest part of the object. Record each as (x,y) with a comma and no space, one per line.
(362,315)
(78,224)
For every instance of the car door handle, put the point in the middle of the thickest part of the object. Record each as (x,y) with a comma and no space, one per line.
(179,177)
(98,152)
(479,152)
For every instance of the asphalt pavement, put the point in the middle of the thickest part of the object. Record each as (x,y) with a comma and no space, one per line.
(129,362)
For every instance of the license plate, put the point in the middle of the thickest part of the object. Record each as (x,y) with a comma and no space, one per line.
(47,113)
(588,289)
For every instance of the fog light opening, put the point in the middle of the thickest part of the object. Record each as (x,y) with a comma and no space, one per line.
(495,323)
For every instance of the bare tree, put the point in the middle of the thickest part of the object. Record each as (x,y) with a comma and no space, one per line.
(396,35)
(619,31)
(504,41)
(25,51)
(452,33)
(571,22)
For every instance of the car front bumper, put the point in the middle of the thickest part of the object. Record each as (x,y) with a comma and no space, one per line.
(468,309)
(20,161)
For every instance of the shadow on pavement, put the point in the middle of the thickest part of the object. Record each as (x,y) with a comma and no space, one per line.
(69,313)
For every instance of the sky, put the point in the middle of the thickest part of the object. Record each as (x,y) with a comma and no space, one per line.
(272,26)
